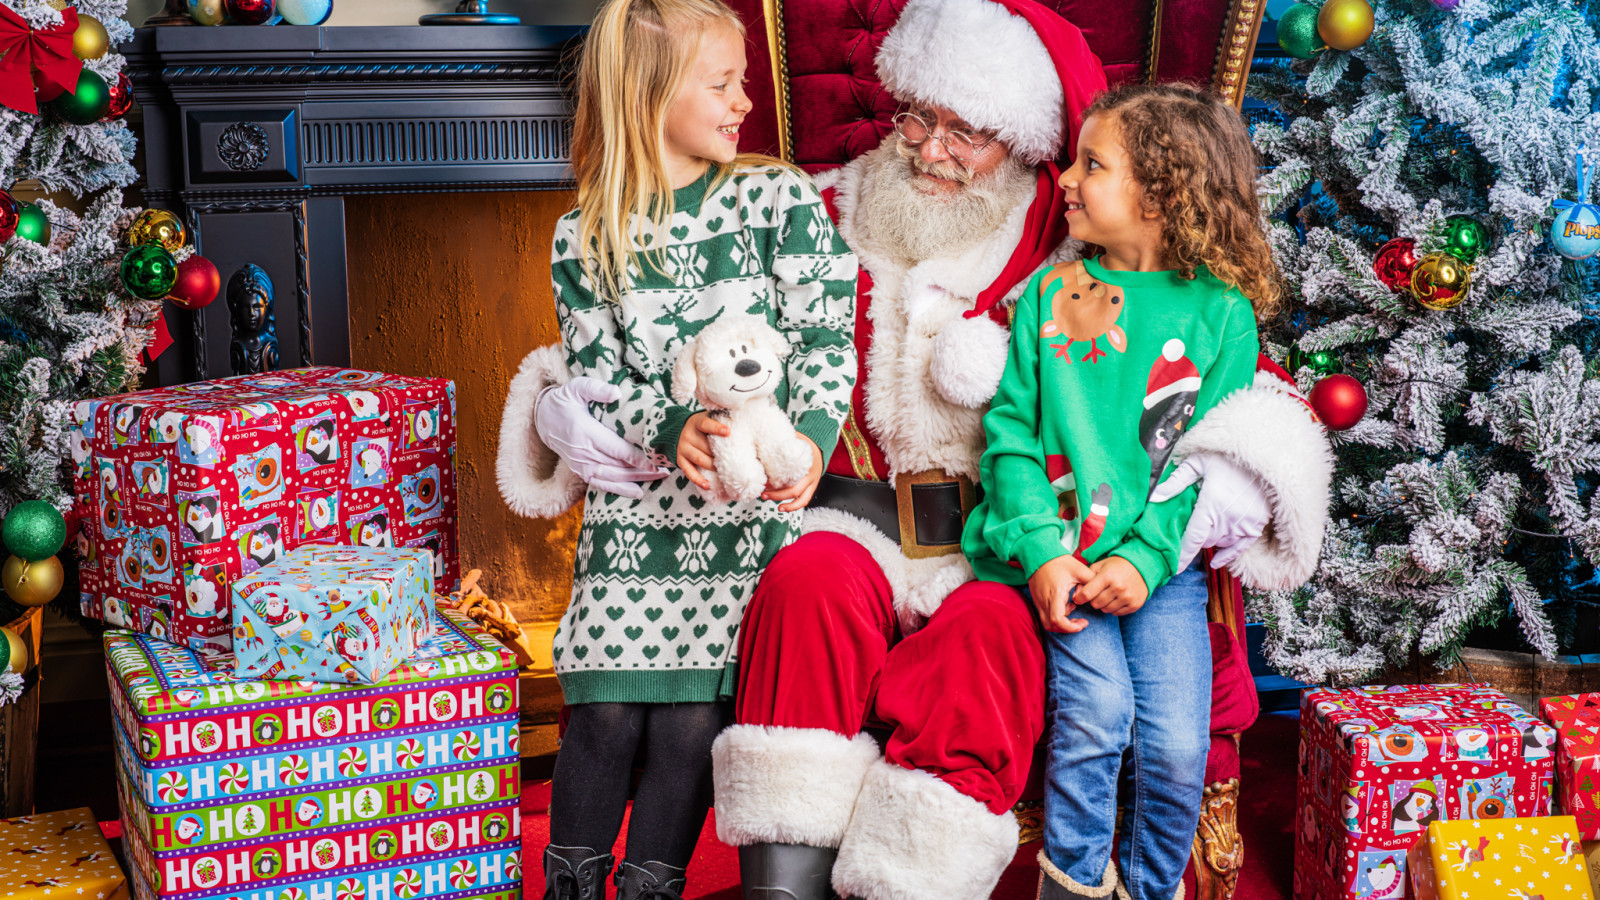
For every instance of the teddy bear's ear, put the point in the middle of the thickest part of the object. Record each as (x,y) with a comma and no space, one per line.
(684,381)
(773,340)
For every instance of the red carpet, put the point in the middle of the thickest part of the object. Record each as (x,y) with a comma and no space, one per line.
(1266,818)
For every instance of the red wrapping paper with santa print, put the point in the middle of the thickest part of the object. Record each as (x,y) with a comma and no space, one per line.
(182,490)
(1379,763)
(1576,720)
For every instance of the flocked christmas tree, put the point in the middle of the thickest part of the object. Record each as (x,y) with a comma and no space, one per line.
(68,327)
(1467,492)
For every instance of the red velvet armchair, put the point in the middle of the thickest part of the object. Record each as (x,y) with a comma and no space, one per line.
(818,103)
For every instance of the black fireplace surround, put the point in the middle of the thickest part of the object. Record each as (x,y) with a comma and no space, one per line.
(254,137)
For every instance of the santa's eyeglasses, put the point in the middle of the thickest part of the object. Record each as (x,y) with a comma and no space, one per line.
(915,126)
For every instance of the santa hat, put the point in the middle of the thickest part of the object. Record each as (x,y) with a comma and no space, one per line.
(1172,374)
(1009,66)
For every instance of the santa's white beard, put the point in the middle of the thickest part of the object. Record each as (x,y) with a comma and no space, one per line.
(915,224)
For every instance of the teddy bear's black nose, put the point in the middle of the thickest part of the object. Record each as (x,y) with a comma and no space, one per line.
(746,368)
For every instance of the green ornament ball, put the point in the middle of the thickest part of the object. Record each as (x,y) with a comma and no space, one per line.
(149,271)
(88,103)
(1464,238)
(1297,32)
(1321,362)
(32,223)
(34,530)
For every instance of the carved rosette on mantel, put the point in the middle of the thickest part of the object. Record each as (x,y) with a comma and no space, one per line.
(256,135)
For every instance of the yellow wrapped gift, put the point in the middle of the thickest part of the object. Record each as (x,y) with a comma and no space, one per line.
(58,855)
(1501,859)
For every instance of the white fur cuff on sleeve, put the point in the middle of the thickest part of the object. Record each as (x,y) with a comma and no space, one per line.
(533,480)
(1270,432)
(968,358)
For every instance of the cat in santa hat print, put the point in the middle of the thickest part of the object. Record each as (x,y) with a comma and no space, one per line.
(1168,405)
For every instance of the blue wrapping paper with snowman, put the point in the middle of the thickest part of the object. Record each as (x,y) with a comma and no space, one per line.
(333,614)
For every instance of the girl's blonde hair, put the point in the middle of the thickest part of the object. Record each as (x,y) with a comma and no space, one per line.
(1192,154)
(633,63)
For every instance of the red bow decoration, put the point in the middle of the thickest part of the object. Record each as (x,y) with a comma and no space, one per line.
(49,50)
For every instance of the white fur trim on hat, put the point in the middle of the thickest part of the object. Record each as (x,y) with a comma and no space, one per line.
(976,59)
(533,480)
(1172,374)
(787,785)
(914,837)
(1269,430)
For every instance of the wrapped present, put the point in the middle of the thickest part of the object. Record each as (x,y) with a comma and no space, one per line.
(1522,859)
(59,854)
(237,788)
(1379,763)
(1576,720)
(340,614)
(183,490)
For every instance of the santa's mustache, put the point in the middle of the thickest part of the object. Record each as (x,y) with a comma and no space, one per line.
(948,169)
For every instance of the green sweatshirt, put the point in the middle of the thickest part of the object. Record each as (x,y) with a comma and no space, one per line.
(1095,394)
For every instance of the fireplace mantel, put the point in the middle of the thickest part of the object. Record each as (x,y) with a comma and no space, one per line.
(256,135)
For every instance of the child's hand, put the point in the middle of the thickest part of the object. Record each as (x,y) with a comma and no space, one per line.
(1051,585)
(694,448)
(1116,589)
(799,493)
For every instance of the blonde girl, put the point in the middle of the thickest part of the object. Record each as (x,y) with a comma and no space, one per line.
(673,230)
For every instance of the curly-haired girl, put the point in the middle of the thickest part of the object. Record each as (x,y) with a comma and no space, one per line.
(1112,358)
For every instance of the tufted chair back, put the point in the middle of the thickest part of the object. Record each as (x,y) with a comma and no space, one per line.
(817,98)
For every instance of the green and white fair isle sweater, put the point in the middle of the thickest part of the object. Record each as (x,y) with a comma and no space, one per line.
(660,584)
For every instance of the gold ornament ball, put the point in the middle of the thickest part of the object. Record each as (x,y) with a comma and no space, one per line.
(13,651)
(157,226)
(32,583)
(1440,281)
(1345,24)
(90,41)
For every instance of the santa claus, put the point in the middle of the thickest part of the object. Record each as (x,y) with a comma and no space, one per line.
(872,618)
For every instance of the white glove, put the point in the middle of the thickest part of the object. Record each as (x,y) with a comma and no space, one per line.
(1229,515)
(594,452)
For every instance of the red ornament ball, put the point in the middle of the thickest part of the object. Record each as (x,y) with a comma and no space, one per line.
(251,12)
(9,217)
(197,285)
(1339,401)
(121,98)
(1394,263)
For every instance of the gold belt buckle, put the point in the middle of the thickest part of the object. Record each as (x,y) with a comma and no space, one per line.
(907,511)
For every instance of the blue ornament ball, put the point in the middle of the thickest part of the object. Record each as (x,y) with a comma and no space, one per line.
(1576,231)
(305,12)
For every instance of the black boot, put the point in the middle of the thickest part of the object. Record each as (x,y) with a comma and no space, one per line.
(575,873)
(787,872)
(649,881)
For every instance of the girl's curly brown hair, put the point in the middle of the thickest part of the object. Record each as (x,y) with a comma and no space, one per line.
(1192,154)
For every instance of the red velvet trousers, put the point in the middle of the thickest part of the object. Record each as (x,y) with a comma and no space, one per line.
(963,698)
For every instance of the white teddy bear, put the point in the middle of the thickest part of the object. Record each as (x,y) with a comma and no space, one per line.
(733,367)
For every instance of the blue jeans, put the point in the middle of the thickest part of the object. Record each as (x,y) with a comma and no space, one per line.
(1139,684)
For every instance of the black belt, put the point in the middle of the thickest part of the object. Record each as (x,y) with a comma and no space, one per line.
(923,513)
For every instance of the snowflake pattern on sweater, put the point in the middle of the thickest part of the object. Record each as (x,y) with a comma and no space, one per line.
(660,583)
